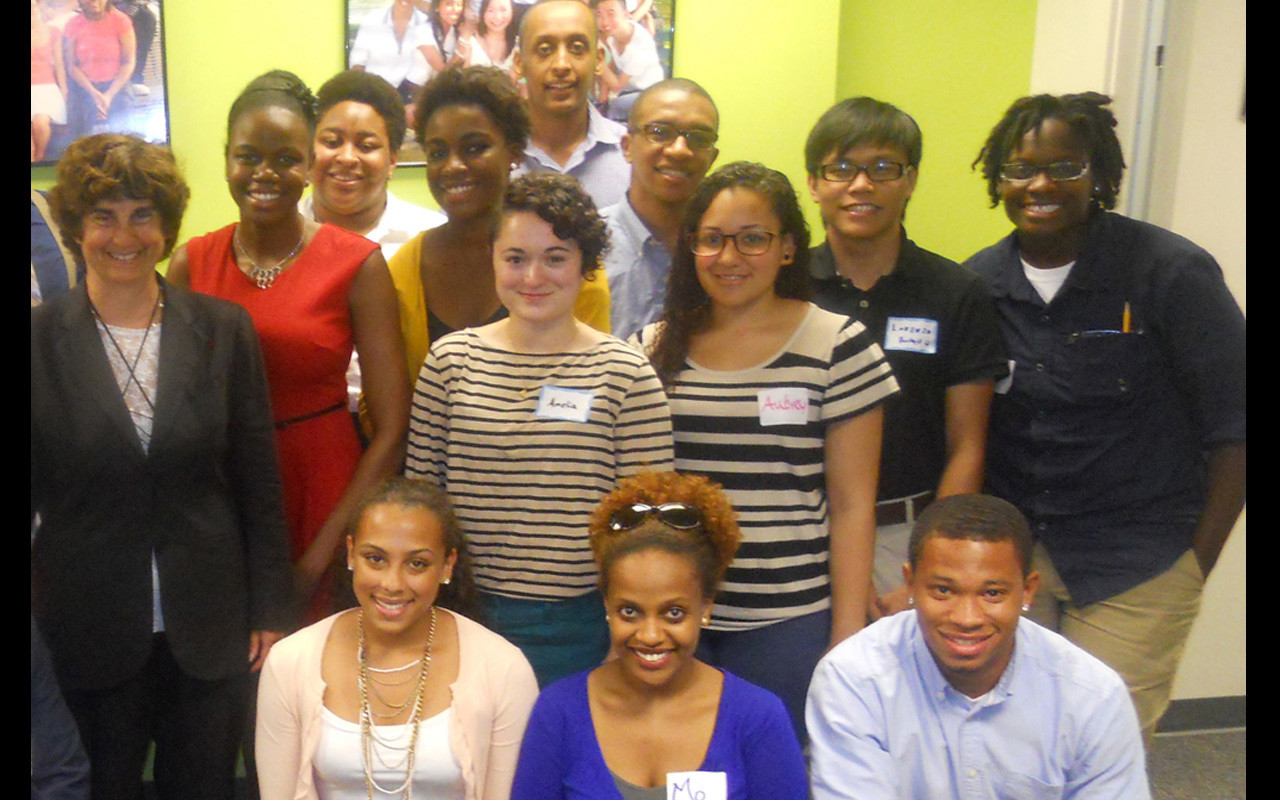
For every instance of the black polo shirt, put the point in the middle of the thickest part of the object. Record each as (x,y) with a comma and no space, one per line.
(937,327)
(1100,436)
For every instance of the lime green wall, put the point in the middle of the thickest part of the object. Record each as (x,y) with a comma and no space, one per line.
(954,65)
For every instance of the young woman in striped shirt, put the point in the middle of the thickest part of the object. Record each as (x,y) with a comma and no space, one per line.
(779,402)
(529,421)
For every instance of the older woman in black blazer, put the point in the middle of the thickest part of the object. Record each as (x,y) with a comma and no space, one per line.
(160,567)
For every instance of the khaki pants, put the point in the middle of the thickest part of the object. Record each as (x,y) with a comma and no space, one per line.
(1139,633)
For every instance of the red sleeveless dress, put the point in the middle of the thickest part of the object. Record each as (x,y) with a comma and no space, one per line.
(304,324)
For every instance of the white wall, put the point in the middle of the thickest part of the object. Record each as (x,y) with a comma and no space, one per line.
(1197,190)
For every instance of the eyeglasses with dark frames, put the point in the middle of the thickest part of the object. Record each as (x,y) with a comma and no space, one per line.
(664,133)
(880,171)
(1058,171)
(750,242)
(674,515)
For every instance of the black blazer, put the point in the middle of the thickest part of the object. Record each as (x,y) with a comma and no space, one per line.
(205,498)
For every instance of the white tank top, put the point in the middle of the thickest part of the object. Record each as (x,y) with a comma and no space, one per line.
(338,766)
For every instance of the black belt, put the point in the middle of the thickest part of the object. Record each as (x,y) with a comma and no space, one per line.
(905,509)
(284,423)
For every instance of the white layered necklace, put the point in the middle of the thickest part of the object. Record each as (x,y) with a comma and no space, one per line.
(372,745)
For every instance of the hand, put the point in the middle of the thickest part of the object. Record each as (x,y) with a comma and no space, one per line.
(102,103)
(260,643)
(894,601)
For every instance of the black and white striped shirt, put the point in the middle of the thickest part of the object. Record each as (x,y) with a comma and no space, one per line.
(760,433)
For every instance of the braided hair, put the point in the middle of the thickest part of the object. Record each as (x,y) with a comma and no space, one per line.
(1088,116)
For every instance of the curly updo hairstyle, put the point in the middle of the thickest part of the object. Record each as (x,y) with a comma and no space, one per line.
(1088,116)
(271,89)
(116,166)
(561,202)
(711,546)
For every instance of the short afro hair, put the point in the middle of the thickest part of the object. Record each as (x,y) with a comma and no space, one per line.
(489,88)
(372,90)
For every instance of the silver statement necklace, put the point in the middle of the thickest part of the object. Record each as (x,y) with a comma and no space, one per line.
(264,276)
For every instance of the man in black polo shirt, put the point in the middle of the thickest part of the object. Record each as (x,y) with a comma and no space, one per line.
(932,317)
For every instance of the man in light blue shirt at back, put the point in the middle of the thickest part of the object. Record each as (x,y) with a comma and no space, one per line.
(958,697)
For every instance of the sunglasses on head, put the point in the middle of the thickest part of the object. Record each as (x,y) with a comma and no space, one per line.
(673,515)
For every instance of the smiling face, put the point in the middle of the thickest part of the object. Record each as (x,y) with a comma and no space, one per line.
(862,208)
(730,279)
(450,12)
(968,595)
(268,158)
(468,161)
(398,559)
(669,173)
(558,57)
(497,15)
(353,160)
(655,608)
(121,242)
(1050,215)
(537,274)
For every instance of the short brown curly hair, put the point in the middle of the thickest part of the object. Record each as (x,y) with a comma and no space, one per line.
(115,166)
(561,202)
(711,545)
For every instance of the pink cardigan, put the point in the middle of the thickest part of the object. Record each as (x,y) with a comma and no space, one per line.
(492,698)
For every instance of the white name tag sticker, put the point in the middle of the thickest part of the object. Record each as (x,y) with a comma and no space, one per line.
(697,786)
(573,405)
(1006,383)
(788,405)
(913,334)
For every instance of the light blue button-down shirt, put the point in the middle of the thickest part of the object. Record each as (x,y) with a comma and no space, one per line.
(597,162)
(637,266)
(885,724)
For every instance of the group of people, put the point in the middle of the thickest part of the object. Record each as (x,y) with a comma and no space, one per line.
(602,481)
(87,56)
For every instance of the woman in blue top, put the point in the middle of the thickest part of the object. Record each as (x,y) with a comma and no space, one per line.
(654,715)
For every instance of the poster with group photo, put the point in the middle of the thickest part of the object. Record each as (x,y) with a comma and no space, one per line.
(408,41)
(96,66)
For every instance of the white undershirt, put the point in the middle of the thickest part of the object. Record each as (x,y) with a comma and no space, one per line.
(339,760)
(1046,282)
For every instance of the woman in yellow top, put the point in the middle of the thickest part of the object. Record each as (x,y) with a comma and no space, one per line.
(473,127)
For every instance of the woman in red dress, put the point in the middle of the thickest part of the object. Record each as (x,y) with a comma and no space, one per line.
(314,291)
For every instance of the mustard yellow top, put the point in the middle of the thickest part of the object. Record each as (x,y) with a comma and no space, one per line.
(592,307)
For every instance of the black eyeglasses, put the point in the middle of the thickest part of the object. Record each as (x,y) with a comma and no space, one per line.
(663,133)
(673,515)
(749,242)
(1062,171)
(847,171)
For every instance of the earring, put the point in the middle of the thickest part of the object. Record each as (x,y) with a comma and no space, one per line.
(911,601)
(446,581)
(351,567)
(1026,607)
(706,621)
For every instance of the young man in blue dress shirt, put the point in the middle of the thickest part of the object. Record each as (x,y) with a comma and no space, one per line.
(960,696)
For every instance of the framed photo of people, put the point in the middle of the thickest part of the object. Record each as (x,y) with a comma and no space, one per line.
(96,66)
(408,41)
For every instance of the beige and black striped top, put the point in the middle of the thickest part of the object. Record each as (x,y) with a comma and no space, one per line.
(527,444)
